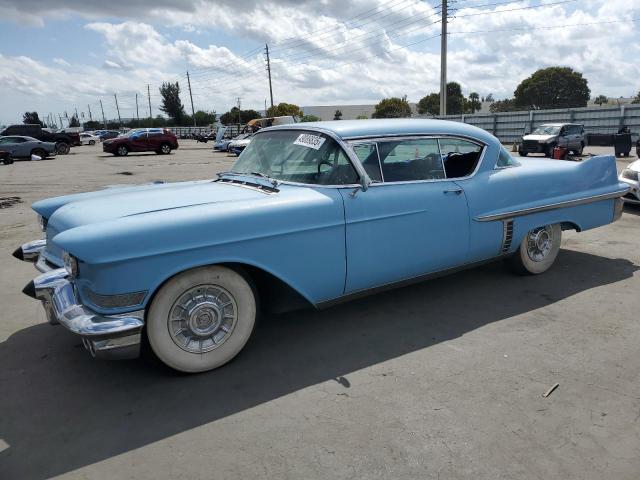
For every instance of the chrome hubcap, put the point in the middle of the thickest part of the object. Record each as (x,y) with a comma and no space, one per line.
(539,243)
(165,148)
(202,318)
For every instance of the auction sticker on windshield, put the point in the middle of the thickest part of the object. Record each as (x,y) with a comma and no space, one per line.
(310,141)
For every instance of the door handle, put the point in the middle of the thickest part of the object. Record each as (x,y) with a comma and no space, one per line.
(453,191)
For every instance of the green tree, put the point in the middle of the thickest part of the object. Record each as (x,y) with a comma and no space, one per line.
(553,87)
(31,118)
(600,100)
(489,98)
(284,109)
(507,105)
(393,107)
(636,98)
(309,118)
(231,117)
(429,105)
(337,115)
(361,117)
(205,118)
(92,125)
(73,121)
(473,103)
(455,101)
(171,103)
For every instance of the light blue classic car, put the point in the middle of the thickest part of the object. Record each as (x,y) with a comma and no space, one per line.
(310,214)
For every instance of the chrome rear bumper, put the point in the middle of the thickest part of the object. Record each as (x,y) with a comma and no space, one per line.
(105,336)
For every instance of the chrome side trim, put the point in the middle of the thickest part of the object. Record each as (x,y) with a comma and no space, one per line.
(551,206)
(402,283)
(99,332)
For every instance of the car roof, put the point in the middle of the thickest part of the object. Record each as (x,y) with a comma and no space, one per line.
(557,124)
(346,129)
(26,137)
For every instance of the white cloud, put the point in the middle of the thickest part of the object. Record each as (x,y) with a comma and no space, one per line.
(62,62)
(320,55)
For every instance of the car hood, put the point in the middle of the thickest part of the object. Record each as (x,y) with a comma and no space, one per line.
(539,138)
(72,211)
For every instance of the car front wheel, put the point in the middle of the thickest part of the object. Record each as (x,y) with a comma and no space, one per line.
(165,149)
(122,150)
(201,318)
(39,152)
(92,142)
(538,250)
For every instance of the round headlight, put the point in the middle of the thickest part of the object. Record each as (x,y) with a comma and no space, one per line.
(70,264)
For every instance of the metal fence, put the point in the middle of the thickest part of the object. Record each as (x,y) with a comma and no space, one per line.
(510,126)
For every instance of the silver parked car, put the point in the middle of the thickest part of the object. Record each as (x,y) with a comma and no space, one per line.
(23,147)
(550,135)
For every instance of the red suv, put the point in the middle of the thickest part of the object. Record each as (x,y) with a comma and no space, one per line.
(159,140)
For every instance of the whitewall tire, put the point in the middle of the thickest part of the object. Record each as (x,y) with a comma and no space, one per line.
(201,318)
(538,250)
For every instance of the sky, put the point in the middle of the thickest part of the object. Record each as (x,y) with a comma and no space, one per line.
(61,55)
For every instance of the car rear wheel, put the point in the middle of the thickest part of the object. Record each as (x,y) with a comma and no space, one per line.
(39,152)
(122,150)
(580,150)
(201,319)
(92,142)
(165,149)
(62,148)
(522,153)
(538,250)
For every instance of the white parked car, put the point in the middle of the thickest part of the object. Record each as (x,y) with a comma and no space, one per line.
(88,139)
(630,176)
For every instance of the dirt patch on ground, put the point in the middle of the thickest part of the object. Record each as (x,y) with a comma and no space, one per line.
(7,202)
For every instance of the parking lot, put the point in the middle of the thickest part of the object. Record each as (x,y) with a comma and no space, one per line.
(440,380)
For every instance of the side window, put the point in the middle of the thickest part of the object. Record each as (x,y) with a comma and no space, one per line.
(408,160)
(368,155)
(505,159)
(460,157)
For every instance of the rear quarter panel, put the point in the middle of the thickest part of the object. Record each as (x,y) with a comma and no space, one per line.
(538,183)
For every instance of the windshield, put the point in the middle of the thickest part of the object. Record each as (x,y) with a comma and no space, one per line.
(546,130)
(297,156)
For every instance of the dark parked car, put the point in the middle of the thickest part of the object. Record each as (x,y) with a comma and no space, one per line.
(63,140)
(159,140)
(23,147)
(107,134)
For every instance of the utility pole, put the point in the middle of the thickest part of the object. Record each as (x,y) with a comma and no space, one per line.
(118,109)
(239,115)
(137,112)
(61,124)
(77,116)
(149,97)
(443,61)
(90,117)
(266,47)
(104,121)
(193,113)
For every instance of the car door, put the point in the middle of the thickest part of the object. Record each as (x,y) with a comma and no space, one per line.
(138,141)
(411,221)
(14,145)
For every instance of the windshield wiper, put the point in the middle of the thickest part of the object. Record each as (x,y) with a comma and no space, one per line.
(271,180)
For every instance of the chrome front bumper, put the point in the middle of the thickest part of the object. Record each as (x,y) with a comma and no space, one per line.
(105,336)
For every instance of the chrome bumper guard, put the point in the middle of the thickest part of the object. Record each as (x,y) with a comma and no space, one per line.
(105,336)
(30,251)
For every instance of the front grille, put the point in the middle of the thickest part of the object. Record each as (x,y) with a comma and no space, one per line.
(630,174)
(531,145)
(115,301)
